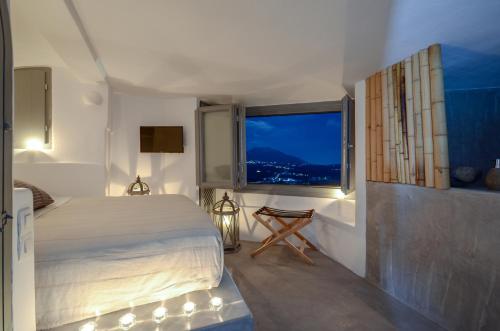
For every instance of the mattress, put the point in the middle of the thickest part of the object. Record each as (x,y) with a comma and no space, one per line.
(98,255)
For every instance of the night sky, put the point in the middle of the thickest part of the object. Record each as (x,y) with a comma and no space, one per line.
(315,138)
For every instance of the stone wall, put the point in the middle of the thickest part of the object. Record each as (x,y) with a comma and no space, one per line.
(437,251)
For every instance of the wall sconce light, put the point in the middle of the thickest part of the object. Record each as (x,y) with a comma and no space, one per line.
(138,187)
(226,218)
(340,195)
(34,144)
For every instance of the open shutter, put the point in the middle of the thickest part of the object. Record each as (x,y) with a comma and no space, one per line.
(242,150)
(218,149)
(348,143)
(6,167)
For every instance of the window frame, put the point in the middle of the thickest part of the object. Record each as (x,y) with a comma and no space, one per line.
(307,108)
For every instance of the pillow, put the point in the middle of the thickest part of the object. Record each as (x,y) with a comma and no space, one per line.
(40,198)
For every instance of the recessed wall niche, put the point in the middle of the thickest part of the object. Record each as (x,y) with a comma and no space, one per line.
(472,95)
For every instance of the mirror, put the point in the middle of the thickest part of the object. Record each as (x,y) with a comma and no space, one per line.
(32,102)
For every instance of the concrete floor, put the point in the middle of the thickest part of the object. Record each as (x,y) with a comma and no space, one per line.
(284,293)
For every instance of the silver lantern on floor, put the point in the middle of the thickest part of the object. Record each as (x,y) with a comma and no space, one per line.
(226,217)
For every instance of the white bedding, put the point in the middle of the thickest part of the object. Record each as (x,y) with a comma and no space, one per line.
(58,201)
(97,255)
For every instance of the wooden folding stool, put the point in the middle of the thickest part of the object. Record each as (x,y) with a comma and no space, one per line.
(299,219)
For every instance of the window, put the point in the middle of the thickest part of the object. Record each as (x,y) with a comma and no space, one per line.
(296,149)
(299,149)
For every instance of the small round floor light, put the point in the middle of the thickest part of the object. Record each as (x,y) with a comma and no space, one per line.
(159,314)
(189,308)
(126,321)
(226,218)
(138,187)
(216,303)
(89,326)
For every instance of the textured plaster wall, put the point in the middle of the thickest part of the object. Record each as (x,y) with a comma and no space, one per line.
(437,251)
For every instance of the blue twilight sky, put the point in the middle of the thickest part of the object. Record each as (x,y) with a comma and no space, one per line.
(315,138)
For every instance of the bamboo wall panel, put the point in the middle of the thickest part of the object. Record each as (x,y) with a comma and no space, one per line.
(406,133)
(392,127)
(439,129)
(379,133)
(368,123)
(410,119)
(417,112)
(385,128)
(400,138)
(373,126)
(425,90)
(404,129)
(397,115)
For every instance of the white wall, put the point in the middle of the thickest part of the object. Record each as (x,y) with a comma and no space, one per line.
(78,139)
(77,129)
(360,174)
(165,173)
(334,229)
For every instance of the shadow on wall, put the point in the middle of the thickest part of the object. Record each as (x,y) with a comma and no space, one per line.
(157,176)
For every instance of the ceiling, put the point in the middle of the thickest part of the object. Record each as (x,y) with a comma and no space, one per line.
(282,49)
(256,52)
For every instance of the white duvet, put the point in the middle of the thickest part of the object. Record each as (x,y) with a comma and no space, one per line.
(97,255)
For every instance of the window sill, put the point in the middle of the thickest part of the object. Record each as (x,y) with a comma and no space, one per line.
(331,192)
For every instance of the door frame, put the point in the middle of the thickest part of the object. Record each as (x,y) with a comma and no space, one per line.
(6,114)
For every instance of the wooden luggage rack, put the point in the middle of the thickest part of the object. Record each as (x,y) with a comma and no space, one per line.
(298,219)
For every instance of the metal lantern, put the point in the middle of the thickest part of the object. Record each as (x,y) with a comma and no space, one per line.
(138,187)
(226,218)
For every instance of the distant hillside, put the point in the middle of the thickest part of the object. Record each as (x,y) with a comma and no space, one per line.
(265,154)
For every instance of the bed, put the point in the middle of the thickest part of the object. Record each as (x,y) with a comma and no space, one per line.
(98,255)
